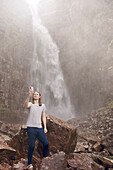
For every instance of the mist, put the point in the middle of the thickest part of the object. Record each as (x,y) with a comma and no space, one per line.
(82,34)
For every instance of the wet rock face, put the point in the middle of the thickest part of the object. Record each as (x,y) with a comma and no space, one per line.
(15,56)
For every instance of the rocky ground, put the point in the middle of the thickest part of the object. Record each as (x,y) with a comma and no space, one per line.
(95,136)
(79,144)
(99,123)
(62,138)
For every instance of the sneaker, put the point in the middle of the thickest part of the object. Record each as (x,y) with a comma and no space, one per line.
(30,167)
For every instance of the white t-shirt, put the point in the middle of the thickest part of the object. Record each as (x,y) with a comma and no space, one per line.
(35,113)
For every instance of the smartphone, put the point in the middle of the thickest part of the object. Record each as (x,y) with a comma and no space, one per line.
(31,88)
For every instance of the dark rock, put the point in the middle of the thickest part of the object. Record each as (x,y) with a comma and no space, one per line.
(21,165)
(80,148)
(98,147)
(20,143)
(93,140)
(107,163)
(3,168)
(7,131)
(70,168)
(7,166)
(55,162)
(4,137)
(110,149)
(61,137)
(18,166)
(107,142)
(96,166)
(104,153)
(7,153)
(80,161)
(98,123)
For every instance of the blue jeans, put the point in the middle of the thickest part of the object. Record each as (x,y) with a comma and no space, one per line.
(33,133)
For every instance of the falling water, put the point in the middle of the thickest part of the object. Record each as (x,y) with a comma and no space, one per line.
(45,73)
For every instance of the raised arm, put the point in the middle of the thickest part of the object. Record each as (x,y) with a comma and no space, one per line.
(26,104)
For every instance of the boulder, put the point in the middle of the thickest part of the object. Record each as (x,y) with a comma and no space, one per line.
(20,143)
(98,147)
(96,166)
(56,161)
(7,153)
(80,161)
(107,163)
(4,137)
(21,165)
(104,153)
(7,131)
(80,148)
(85,161)
(61,137)
(93,140)
(107,142)
(3,168)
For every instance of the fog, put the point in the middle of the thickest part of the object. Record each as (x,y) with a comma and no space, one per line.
(84,31)
(69,55)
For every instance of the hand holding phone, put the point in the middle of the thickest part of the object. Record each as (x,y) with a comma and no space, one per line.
(31,89)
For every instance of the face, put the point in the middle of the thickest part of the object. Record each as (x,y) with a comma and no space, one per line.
(36,96)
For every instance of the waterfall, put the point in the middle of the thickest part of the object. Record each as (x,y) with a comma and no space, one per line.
(45,72)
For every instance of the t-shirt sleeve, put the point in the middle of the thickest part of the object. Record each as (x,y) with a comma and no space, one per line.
(44,108)
(29,104)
